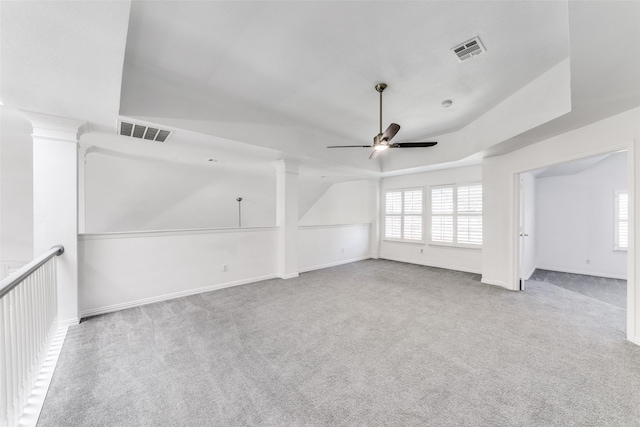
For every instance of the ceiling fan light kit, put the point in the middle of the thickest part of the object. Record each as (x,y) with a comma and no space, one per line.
(381,140)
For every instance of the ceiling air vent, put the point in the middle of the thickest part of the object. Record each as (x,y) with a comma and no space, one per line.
(469,49)
(143,132)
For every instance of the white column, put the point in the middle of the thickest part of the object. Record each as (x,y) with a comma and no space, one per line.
(374,208)
(287,217)
(83,151)
(55,202)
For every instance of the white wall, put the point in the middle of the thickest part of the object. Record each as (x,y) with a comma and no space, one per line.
(323,246)
(462,259)
(576,220)
(343,203)
(121,270)
(134,195)
(499,176)
(127,269)
(338,228)
(16,187)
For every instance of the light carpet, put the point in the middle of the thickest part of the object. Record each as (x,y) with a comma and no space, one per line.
(372,343)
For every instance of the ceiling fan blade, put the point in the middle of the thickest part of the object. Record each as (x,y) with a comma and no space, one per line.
(349,146)
(390,132)
(374,154)
(413,144)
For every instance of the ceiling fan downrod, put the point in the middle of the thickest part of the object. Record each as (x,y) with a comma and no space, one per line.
(380,87)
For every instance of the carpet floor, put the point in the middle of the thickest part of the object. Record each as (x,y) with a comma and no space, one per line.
(372,343)
(612,291)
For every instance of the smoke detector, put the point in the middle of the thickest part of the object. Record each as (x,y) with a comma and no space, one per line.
(469,49)
(143,132)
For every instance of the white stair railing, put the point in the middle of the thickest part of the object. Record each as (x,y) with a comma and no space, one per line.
(28,323)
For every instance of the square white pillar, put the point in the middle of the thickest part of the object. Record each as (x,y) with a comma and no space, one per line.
(376,223)
(55,202)
(287,217)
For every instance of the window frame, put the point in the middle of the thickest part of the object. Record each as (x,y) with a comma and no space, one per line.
(402,215)
(455,215)
(617,221)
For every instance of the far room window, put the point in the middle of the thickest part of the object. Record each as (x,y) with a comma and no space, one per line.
(622,221)
(403,215)
(456,215)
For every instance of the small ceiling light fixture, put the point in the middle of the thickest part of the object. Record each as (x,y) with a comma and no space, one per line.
(447,103)
(380,147)
(213,160)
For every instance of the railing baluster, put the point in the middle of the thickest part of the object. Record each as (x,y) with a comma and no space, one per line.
(14,355)
(4,368)
(28,322)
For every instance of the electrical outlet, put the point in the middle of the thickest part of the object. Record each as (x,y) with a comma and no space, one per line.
(588,261)
(225,267)
(421,250)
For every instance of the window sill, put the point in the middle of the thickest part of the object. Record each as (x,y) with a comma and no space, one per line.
(454,246)
(411,242)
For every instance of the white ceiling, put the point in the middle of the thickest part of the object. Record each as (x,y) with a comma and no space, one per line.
(318,62)
(257,81)
(569,168)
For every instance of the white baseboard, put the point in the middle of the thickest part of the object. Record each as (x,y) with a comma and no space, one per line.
(495,283)
(165,297)
(530,273)
(636,341)
(69,322)
(288,276)
(436,265)
(585,273)
(333,264)
(35,402)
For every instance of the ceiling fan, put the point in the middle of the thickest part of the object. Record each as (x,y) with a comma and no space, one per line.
(381,140)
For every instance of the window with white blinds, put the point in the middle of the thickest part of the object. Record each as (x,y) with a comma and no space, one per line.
(622,221)
(403,215)
(456,215)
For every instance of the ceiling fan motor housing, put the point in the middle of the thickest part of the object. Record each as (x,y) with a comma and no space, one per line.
(381,86)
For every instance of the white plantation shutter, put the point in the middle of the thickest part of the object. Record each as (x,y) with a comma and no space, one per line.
(442,214)
(470,199)
(413,202)
(403,215)
(442,200)
(622,220)
(456,214)
(393,227)
(470,214)
(470,230)
(412,215)
(393,218)
(412,228)
(394,203)
(442,229)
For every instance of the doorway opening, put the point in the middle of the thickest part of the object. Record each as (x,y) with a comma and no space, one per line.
(573,227)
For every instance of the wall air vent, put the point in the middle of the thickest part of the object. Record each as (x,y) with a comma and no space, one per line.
(469,49)
(143,132)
